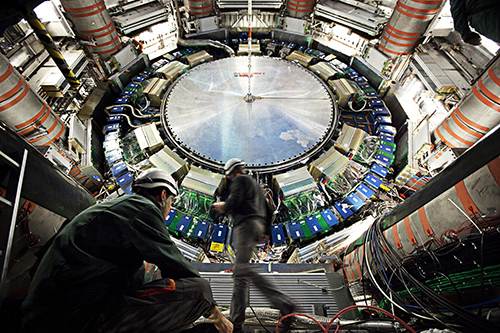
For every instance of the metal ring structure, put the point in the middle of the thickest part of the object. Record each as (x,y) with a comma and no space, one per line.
(289,117)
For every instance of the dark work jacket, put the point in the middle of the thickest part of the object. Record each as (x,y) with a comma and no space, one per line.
(246,200)
(100,254)
(481,14)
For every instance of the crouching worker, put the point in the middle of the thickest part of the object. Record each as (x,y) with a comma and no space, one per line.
(93,279)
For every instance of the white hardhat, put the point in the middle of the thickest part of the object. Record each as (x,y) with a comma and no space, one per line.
(231,164)
(153,178)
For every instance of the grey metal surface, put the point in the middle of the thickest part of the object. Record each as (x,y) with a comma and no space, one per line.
(205,112)
(306,289)
(370,22)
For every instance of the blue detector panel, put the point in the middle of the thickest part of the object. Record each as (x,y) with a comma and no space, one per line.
(296,230)
(380,111)
(278,233)
(355,201)
(112,136)
(383,120)
(126,93)
(115,118)
(386,129)
(138,79)
(122,100)
(387,138)
(201,229)
(373,181)
(313,224)
(219,234)
(184,224)
(379,170)
(343,209)
(113,156)
(329,217)
(361,80)
(364,192)
(384,160)
(125,180)
(119,168)
(128,190)
(376,103)
(117,109)
(111,128)
(170,217)
(371,94)
(387,149)
(132,85)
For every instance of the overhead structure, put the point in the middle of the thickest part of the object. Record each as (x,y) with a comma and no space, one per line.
(300,8)
(476,114)
(93,24)
(407,25)
(24,111)
(199,8)
(52,49)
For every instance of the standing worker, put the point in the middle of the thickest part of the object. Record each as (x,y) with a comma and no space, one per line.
(93,279)
(247,204)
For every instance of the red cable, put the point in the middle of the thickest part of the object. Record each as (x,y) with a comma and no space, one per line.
(299,314)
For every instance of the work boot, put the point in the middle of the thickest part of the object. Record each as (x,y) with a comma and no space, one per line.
(286,324)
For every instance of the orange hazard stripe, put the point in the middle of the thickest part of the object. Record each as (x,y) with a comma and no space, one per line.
(401,37)
(494,166)
(354,278)
(454,135)
(405,13)
(465,128)
(470,122)
(425,222)
(396,236)
(358,269)
(403,32)
(33,119)
(484,99)
(438,132)
(346,276)
(14,90)
(409,232)
(17,99)
(428,2)
(488,93)
(418,10)
(107,26)
(393,52)
(396,43)
(385,235)
(465,199)
(158,291)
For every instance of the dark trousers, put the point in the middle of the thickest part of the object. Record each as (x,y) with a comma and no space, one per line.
(159,306)
(247,235)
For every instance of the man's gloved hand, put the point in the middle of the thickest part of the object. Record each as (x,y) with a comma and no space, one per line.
(472,38)
(222,324)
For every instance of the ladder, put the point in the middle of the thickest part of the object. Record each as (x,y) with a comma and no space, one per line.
(9,204)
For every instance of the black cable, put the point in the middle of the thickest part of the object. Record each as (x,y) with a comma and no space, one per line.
(255,314)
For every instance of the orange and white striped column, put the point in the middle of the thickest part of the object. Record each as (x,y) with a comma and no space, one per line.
(24,111)
(476,114)
(94,25)
(407,25)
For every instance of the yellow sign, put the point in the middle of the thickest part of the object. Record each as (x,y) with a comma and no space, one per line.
(216,247)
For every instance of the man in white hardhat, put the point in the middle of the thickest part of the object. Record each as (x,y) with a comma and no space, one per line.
(247,204)
(93,278)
